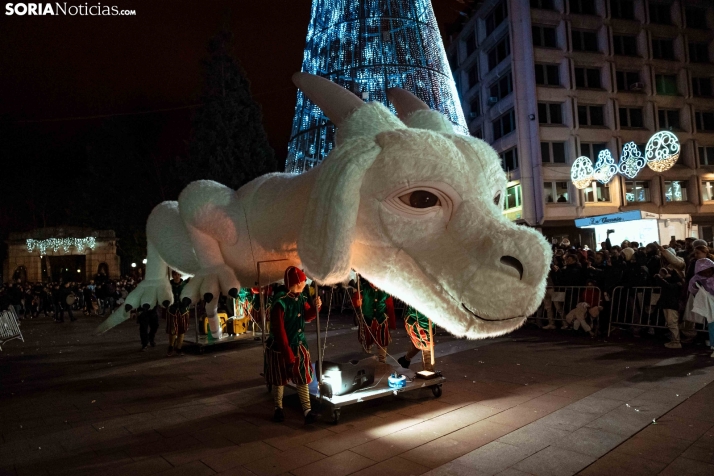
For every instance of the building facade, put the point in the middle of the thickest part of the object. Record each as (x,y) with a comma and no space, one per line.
(368,46)
(547,81)
(67,254)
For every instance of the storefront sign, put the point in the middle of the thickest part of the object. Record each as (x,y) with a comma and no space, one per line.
(607,219)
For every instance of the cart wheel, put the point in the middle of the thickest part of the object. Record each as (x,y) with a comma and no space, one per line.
(335,416)
(436,390)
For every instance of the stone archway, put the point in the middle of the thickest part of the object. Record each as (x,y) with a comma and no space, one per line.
(20,273)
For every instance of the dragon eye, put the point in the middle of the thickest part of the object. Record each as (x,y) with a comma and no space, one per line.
(420,199)
(497,199)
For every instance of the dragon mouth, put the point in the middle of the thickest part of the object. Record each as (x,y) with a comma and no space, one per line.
(488,320)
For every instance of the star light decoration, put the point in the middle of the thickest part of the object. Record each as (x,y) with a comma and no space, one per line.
(581,173)
(605,167)
(662,151)
(64,243)
(631,161)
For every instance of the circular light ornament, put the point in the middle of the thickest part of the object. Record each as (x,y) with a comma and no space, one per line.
(662,151)
(631,161)
(581,173)
(605,167)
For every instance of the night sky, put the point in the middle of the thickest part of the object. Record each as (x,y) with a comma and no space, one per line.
(58,67)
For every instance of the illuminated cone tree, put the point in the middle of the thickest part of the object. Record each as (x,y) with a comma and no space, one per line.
(369,46)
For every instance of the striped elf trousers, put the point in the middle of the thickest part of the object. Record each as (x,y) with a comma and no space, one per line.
(176,321)
(376,333)
(276,373)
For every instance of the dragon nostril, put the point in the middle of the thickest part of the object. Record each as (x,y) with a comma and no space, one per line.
(513,263)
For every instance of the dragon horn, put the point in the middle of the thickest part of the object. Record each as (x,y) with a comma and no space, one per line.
(405,102)
(335,101)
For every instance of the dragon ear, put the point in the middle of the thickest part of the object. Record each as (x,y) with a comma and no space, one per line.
(416,114)
(325,241)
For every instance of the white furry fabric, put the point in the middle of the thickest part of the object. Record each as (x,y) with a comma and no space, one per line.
(459,261)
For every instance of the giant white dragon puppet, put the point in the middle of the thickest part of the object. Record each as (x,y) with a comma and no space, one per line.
(404,201)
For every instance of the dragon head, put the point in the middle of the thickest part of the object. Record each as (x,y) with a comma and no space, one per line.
(416,209)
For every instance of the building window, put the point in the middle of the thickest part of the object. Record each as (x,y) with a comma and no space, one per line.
(547,74)
(663,48)
(631,117)
(550,113)
(675,191)
(509,159)
(504,125)
(591,150)
(597,192)
(543,4)
(625,45)
(478,133)
(496,17)
(706,155)
(475,107)
(668,119)
(556,192)
(622,9)
(500,89)
(584,7)
(628,81)
(552,152)
(637,191)
(702,87)
(666,84)
(660,13)
(591,116)
(470,43)
(453,60)
(544,36)
(704,121)
(584,41)
(696,18)
(707,191)
(498,53)
(513,197)
(698,52)
(587,78)
(473,75)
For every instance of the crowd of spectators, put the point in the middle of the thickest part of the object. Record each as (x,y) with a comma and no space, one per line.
(99,296)
(670,267)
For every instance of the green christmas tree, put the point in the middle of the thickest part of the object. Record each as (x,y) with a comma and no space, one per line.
(228,143)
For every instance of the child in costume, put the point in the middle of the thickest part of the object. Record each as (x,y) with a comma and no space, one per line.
(286,354)
(417,325)
(374,322)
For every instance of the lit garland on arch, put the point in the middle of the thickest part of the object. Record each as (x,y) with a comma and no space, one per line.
(582,172)
(64,243)
(662,151)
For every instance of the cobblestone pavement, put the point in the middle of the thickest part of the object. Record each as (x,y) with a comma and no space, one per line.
(531,402)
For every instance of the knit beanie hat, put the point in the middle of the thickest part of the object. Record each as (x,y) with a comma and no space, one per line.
(696,243)
(294,276)
(628,253)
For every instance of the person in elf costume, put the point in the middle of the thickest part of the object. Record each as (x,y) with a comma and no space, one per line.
(176,317)
(375,318)
(417,325)
(286,353)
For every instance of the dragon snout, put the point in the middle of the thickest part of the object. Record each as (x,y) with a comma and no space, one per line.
(514,263)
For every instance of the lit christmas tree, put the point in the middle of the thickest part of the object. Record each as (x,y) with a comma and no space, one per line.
(369,46)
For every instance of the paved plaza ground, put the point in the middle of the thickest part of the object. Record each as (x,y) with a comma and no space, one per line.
(533,402)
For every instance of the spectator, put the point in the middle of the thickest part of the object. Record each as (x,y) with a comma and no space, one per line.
(671,284)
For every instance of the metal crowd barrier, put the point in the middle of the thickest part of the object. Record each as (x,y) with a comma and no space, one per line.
(9,327)
(638,307)
(560,300)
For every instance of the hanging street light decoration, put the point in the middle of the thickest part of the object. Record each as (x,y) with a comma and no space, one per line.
(631,161)
(64,243)
(605,167)
(662,151)
(581,173)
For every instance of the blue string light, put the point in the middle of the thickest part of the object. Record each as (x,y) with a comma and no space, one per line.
(368,46)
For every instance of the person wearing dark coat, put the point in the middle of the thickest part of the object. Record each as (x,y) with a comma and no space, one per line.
(671,284)
(148,321)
